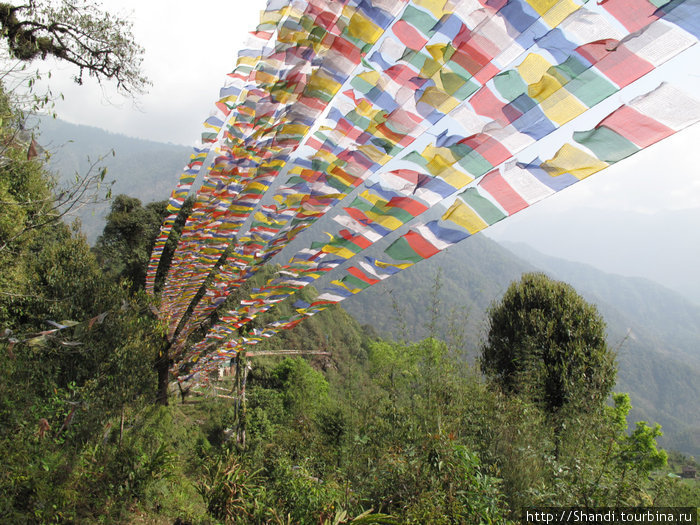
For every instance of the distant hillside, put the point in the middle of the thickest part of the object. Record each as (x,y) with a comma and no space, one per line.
(655,316)
(143,169)
(473,275)
(655,331)
(662,246)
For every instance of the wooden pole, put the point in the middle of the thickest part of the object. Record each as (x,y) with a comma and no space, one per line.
(237,392)
(121,427)
(242,376)
(286,352)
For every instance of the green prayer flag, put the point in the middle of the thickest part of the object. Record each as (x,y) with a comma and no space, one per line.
(400,250)
(607,145)
(482,206)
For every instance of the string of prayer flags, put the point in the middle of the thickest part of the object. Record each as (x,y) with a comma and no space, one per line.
(399,126)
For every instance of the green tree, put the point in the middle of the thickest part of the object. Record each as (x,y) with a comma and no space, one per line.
(124,247)
(546,342)
(126,243)
(610,467)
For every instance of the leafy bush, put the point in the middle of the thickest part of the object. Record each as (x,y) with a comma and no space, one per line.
(229,490)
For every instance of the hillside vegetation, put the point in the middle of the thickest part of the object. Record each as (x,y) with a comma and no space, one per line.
(655,331)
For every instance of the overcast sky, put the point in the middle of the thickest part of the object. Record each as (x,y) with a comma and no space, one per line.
(190,49)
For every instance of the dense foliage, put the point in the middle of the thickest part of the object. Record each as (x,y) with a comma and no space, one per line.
(547,342)
(77,346)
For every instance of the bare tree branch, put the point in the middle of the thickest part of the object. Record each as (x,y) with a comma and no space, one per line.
(82,192)
(79,32)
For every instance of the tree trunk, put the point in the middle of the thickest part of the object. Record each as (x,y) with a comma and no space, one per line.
(183,391)
(240,406)
(163,369)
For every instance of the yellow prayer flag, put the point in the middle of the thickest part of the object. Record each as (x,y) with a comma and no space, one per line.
(273,163)
(343,285)
(553,12)
(437,164)
(289,200)
(294,129)
(543,88)
(263,77)
(430,67)
(347,13)
(436,7)
(247,61)
(272,17)
(456,178)
(321,82)
(339,251)
(260,217)
(401,266)
(570,159)
(562,107)
(283,96)
(435,51)
(542,6)
(462,215)
(375,154)
(438,99)
(533,68)
(363,28)
(392,223)
(287,36)
(374,199)
(243,209)
(326,155)
(365,108)
(256,186)
(371,77)
(559,11)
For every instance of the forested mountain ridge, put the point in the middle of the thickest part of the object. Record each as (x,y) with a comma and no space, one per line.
(468,277)
(662,244)
(144,169)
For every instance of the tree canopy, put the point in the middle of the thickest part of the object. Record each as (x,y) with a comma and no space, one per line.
(547,342)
